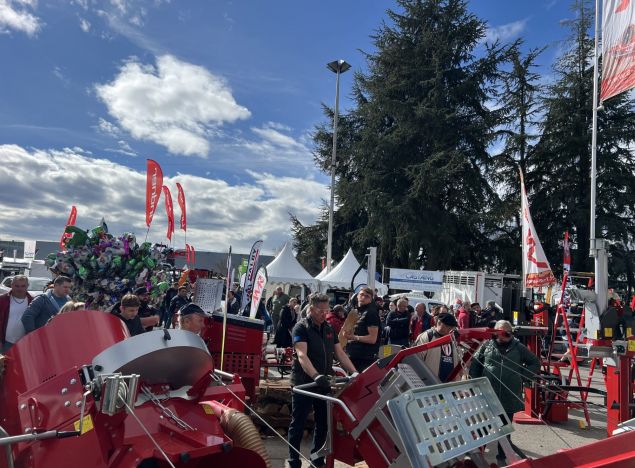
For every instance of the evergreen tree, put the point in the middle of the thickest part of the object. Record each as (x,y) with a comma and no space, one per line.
(413,153)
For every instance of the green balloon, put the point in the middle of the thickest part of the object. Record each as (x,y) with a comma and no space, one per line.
(83,272)
(116,261)
(163,286)
(149,262)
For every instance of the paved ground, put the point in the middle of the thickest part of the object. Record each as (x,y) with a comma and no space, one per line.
(534,440)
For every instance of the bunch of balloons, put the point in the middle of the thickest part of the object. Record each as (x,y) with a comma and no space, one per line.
(104,267)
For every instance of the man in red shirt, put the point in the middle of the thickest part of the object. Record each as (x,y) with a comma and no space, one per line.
(420,322)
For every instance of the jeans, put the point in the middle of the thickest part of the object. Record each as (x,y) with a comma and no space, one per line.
(301,407)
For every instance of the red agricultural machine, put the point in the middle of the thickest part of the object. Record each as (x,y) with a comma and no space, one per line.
(81,392)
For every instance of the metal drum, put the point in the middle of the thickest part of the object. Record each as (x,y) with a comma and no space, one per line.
(177,358)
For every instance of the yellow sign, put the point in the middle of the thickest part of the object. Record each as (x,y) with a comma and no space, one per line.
(87,426)
(631,345)
(629,332)
(608,333)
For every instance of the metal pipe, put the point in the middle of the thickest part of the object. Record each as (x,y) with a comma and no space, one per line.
(9,451)
(319,396)
(329,244)
(594,131)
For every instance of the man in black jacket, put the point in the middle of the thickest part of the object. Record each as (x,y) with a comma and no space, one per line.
(176,303)
(399,323)
(129,314)
(315,345)
(363,341)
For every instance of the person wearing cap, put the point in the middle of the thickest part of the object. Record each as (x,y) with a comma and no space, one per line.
(506,362)
(440,359)
(192,318)
(148,314)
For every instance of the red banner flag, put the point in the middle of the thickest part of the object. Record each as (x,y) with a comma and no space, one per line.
(192,254)
(169,209)
(71,222)
(181,200)
(187,254)
(618,47)
(567,252)
(154,182)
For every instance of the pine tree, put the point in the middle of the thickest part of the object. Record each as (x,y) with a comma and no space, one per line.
(413,152)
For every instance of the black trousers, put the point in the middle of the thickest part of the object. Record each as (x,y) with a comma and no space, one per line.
(301,407)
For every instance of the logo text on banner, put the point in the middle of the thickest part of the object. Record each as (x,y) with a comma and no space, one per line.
(417,280)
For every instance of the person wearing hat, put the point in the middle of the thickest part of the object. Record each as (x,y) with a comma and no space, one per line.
(192,318)
(441,360)
(148,314)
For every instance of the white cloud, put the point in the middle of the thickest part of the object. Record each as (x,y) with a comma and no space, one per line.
(505,32)
(84,24)
(14,16)
(175,104)
(41,185)
(108,128)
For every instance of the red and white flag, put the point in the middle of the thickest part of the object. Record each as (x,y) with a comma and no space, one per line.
(259,287)
(181,199)
(618,47)
(71,222)
(154,182)
(169,210)
(536,269)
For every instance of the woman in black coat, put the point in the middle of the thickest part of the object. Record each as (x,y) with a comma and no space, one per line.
(282,338)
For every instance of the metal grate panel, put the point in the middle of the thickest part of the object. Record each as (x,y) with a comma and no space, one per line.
(441,422)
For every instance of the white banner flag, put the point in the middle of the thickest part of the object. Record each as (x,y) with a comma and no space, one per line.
(536,269)
(618,47)
(247,287)
(259,286)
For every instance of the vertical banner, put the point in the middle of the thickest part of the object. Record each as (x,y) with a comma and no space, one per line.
(618,47)
(250,274)
(536,269)
(566,261)
(192,255)
(228,283)
(181,199)
(169,210)
(259,286)
(154,182)
(72,217)
(187,254)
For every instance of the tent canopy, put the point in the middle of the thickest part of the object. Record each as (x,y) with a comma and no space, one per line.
(286,269)
(342,274)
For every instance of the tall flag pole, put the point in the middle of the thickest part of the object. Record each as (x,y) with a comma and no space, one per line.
(536,269)
(228,283)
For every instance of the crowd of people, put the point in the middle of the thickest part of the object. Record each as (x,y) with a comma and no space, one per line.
(21,313)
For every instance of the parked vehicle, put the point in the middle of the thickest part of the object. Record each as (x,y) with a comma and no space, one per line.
(36,285)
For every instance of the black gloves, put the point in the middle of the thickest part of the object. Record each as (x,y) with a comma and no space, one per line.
(322,382)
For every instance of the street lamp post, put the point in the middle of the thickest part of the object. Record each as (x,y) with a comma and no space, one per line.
(338,67)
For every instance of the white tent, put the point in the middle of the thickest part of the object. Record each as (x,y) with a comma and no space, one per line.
(287,270)
(321,274)
(342,274)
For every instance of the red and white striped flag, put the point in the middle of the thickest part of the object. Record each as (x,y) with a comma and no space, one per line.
(618,47)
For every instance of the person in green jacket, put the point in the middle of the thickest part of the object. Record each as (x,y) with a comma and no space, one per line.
(506,362)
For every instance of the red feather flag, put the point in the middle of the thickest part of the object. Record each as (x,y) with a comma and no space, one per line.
(192,254)
(187,253)
(181,200)
(71,222)
(169,209)
(154,182)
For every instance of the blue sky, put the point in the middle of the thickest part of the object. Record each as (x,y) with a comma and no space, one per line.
(223,94)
